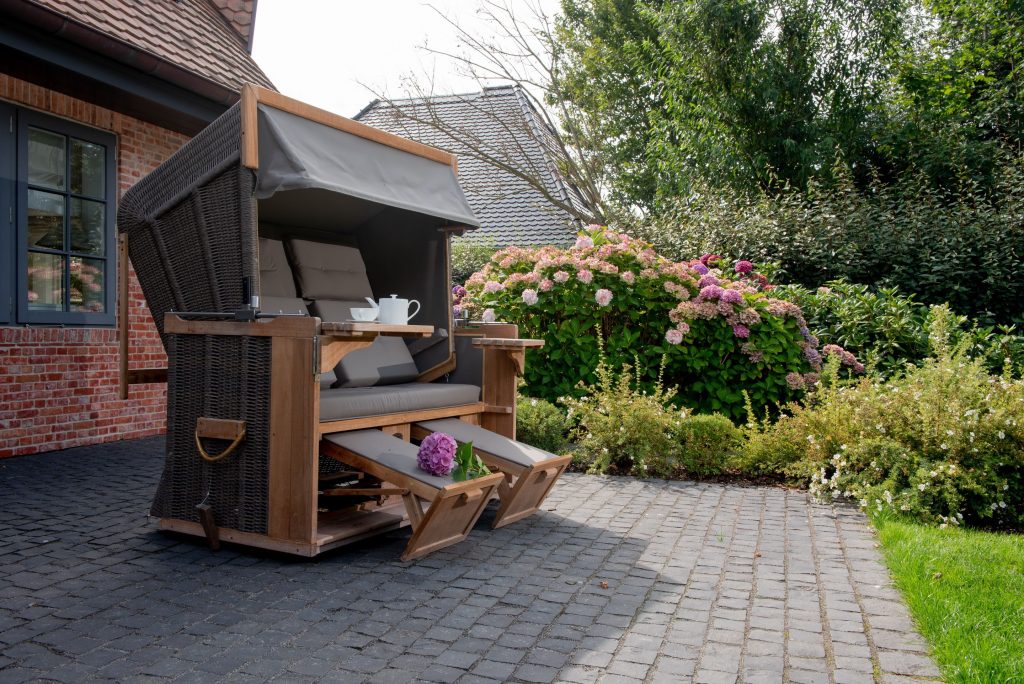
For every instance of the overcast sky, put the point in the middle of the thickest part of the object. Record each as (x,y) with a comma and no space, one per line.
(319,51)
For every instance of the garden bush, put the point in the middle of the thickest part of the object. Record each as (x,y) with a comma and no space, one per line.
(882,328)
(541,424)
(887,330)
(942,443)
(623,429)
(965,248)
(468,257)
(707,444)
(716,324)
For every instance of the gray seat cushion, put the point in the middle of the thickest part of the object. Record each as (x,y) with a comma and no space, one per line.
(389,452)
(357,402)
(275,274)
(485,440)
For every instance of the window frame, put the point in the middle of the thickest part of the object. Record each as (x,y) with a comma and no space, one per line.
(8,178)
(29,118)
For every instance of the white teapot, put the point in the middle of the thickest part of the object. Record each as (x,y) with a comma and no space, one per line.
(395,311)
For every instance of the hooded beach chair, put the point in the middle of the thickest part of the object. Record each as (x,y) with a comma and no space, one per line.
(252,243)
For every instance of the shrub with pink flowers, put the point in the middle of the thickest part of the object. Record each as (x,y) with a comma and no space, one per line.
(723,333)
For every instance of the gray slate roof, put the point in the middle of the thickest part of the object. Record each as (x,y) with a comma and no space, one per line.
(501,122)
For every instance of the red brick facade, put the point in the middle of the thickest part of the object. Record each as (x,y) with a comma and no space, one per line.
(59,386)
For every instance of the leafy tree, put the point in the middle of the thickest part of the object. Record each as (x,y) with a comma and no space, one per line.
(960,90)
(744,92)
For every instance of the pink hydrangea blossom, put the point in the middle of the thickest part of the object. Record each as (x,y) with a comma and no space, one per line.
(731,296)
(711,292)
(488,316)
(437,454)
(628,277)
(546,285)
(741,331)
(744,266)
(603,297)
(673,336)
(530,296)
(584,242)
(707,280)
(683,327)
(560,276)
(795,381)
(584,276)
(493,286)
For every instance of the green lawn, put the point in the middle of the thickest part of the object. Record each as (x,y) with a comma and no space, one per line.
(966,592)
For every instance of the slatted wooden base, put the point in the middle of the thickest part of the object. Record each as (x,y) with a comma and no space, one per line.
(333,530)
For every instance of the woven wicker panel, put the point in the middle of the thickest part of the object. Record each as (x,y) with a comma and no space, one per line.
(217,377)
(191,226)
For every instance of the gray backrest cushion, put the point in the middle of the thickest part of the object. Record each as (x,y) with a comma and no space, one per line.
(275,274)
(326,271)
(327,379)
(385,362)
(283,305)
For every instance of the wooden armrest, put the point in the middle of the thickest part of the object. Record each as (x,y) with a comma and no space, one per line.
(284,326)
(359,329)
(506,343)
(514,348)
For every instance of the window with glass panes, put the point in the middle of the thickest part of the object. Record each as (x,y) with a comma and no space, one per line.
(63,206)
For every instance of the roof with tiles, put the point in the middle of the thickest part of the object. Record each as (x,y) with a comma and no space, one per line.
(194,35)
(502,124)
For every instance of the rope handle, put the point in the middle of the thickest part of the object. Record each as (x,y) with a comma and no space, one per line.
(216,428)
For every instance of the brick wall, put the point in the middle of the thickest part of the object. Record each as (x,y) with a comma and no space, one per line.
(58,386)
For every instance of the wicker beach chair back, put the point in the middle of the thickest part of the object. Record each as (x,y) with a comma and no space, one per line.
(191,226)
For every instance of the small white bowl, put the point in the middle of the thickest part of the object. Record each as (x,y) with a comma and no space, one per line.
(364,315)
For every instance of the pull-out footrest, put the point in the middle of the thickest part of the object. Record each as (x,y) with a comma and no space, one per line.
(529,472)
(452,507)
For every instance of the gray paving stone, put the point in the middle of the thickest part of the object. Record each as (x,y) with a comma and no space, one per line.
(897,662)
(688,598)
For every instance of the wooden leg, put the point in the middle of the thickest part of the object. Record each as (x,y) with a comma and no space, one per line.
(499,390)
(529,491)
(451,515)
(209,526)
(414,509)
(400,431)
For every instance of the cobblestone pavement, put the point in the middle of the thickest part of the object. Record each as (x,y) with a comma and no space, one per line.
(618,580)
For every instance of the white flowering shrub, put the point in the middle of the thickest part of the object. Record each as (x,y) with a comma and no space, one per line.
(942,443)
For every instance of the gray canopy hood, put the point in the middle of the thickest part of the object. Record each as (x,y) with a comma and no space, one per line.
(300,154)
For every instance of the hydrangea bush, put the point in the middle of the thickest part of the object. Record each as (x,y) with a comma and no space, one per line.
(717,323)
